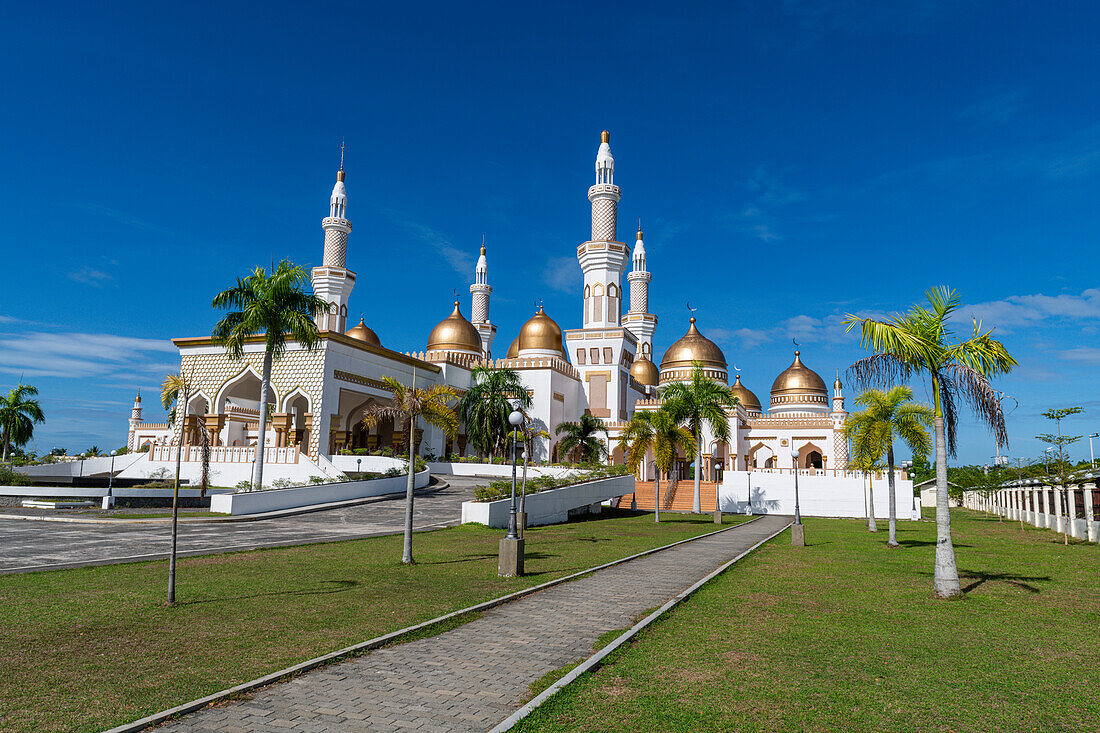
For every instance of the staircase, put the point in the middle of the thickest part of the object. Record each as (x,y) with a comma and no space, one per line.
(681,498)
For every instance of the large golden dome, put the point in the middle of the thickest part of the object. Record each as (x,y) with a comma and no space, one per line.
(748,399)
(645,371)
(513,349)
(455,333)
(361,332)
(541,333)
(798,379)
(693,346)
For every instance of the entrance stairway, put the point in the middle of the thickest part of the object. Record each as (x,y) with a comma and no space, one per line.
(681,497)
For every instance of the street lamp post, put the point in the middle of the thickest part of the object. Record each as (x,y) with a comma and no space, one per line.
(717,477)
(510,561)
(1092,457)
(798,532)
(109,499)
(656,493)
(359,468)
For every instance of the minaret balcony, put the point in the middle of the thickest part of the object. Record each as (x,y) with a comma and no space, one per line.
(335,222)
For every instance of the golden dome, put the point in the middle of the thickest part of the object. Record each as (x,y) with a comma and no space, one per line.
(513,350)
(693,346)
(748,399)
(360,332)
(540,333)
(645,371)
(455,333)
(798,378)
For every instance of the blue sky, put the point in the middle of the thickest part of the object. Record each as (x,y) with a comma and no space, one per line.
(791,161)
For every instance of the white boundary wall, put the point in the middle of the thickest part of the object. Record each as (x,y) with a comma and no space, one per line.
(499,471)
(374,464)
(819,496)
(96,492)
(254,502)
(549,507)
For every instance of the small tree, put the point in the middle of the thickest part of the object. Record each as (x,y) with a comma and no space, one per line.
(657,431)
(276,306)
(579,438)
(1059,475)
(485,407)
(409,405)
(19,413)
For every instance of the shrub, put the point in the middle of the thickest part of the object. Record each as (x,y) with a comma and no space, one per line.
(243,485)
(282,483)
(317,480)
(9,477)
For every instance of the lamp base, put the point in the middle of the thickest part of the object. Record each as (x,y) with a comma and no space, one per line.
(108,502)
(717,516)
(798,535)
(510,562)
(521,523)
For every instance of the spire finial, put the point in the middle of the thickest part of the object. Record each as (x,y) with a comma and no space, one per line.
(341,153)
(482,244)
(605,137)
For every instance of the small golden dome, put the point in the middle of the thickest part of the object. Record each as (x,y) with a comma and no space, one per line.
(645,371)
(455,333)
(360,332)
(748,399)
(513,350)
(605,137)
(693,346)
(541,333)
(800,379)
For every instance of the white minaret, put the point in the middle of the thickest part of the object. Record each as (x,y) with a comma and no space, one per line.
(135,420)
(839,416)
(479,305)
(602,258)
(332,281)
(639,320)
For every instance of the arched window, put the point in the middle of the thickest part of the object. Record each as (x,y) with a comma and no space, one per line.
(613,303)
(597,302)
(587,303)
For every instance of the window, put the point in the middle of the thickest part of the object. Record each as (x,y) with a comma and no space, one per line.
(595,355)
(580,356)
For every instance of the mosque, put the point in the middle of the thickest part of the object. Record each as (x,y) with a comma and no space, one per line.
(606,367)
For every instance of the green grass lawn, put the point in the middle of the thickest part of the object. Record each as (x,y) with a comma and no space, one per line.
(846,635)
(90,648)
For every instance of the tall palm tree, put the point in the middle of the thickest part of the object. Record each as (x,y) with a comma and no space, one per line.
(700,402)
(94,451)
(579,438)
(660,432)
(276,306)
(894,415)
(19,413)
(175,394)
(485,407)
(921,342)
(868,445)
(409,405)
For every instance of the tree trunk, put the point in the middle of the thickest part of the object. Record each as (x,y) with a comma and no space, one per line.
(7,442)
(945,581)
(657,495)
(407,547)
(872,525)
(695,504)
(523,490)
(175,498)
(893,539)
(261,439)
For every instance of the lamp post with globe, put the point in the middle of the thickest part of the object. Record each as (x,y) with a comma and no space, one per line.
(109,499)
(798,532)
(510,560)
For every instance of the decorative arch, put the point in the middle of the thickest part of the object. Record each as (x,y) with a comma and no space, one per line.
(597,302)
(197,398)
(811,456)
(243,377)
(292,395)
(766,453)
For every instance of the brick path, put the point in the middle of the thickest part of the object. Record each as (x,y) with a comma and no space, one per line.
(473,677)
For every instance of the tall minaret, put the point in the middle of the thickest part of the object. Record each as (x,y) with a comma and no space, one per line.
(639,320)
(135,421)
(479,306)
(602,258)
(332,281)
(839,416)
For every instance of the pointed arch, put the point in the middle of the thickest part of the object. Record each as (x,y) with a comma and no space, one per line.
(242,378)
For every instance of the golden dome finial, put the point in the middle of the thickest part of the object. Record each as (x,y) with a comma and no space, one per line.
(605,137)
(639,228)
(482,244)
(340,173)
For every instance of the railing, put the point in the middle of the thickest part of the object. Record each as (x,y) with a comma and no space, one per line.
(224,454)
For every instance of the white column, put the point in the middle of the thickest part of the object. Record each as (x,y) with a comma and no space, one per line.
(1058,518)
(1035,507)
(1071,511)
(1090,519)
(1044,520)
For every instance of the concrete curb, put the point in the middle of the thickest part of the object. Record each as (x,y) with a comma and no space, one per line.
(189,707)
(593,661)
(430,489)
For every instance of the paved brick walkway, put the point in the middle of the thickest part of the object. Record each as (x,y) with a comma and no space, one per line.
(473,677)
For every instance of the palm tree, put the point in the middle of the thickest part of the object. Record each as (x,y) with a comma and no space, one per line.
(94,451)
(275,306)
(892,415)
(19,413)
(868,445)
(580,439)
(657,431)
(485,407)
(700,402)
(409,405)
(920,342)
(174,396)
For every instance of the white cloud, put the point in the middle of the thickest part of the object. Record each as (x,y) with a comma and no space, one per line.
(1017,311)
(562,273)
(91,276)
(1086,354)
(80,355)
